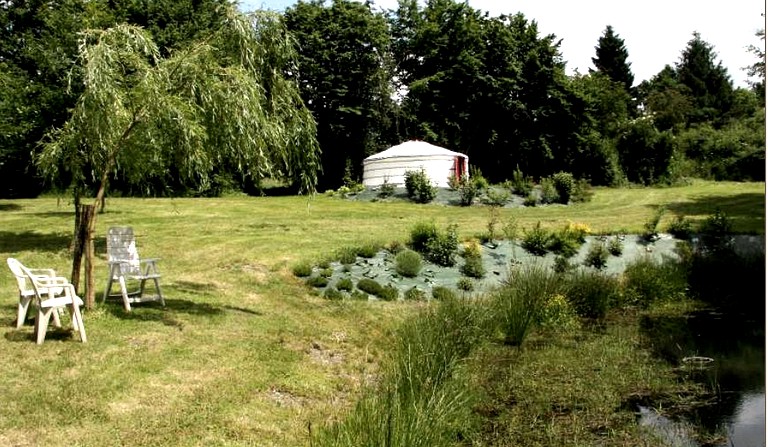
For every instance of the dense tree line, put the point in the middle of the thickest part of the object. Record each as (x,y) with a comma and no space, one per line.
(494,88)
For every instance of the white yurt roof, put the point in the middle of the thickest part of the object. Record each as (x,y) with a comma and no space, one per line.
(414,148)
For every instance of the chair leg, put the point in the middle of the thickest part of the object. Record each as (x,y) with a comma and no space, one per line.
(124,290)
(41,324)
(159,293)
(77,321)
(22,313)
(56,317)
(108,289)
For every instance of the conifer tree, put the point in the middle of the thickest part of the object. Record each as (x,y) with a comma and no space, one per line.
(612,57)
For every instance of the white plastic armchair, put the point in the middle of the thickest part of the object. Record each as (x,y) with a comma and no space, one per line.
(126,266)
(26,292)
(49,294)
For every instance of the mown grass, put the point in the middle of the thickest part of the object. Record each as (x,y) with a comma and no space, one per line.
(244,354)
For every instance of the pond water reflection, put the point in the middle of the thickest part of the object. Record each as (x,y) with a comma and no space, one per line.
(736,343)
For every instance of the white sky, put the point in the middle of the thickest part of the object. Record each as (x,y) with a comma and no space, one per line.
(655,32)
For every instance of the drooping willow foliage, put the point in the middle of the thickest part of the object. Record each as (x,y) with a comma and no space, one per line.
(227,100)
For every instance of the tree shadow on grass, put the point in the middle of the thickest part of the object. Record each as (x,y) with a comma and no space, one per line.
(12,242)
(10,207)
(747,209)
(746,205)
(174,306)
(32,241)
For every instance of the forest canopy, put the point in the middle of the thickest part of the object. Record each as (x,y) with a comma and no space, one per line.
(494,88)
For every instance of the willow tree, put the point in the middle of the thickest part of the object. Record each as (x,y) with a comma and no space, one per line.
(227,100)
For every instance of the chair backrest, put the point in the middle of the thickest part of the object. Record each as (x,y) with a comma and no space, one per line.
(121,246)
(21,279)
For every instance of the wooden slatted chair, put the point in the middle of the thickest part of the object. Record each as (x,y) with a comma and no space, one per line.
(50,293)
(126,267)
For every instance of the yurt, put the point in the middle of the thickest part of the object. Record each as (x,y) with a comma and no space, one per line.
(392,164)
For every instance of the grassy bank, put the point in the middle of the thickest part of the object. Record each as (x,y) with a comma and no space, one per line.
(243,354)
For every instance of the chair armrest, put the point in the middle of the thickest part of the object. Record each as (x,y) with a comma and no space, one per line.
(43,272)
(52,281)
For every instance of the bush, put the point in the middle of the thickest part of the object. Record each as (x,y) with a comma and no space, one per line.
(473,267)
(347,255)
(359,295)
(386,189)
(415,294)
(564,185)
(317,281)
(597,256)
(681,228)
(408,263)
(326,273)
(419,187)
(372,287)
(471,249)
(563,265)
(442,249)
(531,200)
(345,284)
(564,242)
(615,247)
(558,315)
(510,229)
(716,232)
(331,293)
(548,191)
(647,281)
(395,247)
(468,190)
(521,185)
(582,191)
(495,197)
(368,250)
(369,286)
(302,269)
(441,293)
(518,302)
(465,285)
(536,241)
(592,293)
(454,182)
(389,293)
(481,183)
(651,227)
(421,234)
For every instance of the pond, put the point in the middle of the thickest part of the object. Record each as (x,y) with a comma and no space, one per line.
(724,352)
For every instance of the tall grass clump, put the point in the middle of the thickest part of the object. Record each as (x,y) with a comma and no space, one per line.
(419,401)
(518,302)
(591,292)
(647,280)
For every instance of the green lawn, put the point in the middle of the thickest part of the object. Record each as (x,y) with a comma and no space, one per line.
(243,354)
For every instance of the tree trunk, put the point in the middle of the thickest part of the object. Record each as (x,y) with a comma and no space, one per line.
(83,247)
(78,244)
(90,291)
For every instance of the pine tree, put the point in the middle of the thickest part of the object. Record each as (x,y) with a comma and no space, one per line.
(612,57)
(710,87)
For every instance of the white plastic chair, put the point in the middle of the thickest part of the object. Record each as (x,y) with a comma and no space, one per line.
(49,293)
(26,292)
(126,265)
